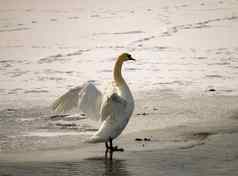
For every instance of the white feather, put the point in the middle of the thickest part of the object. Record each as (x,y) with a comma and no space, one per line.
(86,98)
(116,111)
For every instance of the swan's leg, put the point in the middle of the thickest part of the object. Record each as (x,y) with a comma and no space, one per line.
(110,142)
(114,149)
(106,145)
(107,148)
(111,148)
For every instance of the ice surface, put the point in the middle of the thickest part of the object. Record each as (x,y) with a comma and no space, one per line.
(47,48)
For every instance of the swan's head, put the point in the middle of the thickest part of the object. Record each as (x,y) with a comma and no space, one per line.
(117,68)
(125,57)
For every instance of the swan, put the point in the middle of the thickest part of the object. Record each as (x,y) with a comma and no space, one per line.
(113,108)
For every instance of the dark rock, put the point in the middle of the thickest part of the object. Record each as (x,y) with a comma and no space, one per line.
(66,125)
(144,113)
(147,139)
(9,109)
(138,139)
(155,109)
(212,90)
(58,116)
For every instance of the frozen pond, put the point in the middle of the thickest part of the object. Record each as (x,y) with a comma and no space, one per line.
(47,48)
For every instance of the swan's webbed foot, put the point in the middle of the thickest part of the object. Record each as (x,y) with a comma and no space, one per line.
(112,148)
(116,149)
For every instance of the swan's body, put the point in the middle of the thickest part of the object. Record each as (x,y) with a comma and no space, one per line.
(113,108)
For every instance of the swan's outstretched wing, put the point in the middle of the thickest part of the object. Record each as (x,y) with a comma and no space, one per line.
(86,98)
(114,105)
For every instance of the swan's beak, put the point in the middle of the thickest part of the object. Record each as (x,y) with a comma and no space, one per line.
(132,59)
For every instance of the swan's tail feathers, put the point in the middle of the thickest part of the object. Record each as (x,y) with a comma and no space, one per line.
(94,139)
(68,101)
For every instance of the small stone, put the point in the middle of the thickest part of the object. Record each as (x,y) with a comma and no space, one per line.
(147,139)
(9,109)
(138,139)
(58,116)
(212,90)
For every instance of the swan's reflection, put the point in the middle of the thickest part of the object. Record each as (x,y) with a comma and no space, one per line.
(114,167)
(90,166)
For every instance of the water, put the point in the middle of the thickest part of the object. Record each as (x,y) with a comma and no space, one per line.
(93,166)
(204,159)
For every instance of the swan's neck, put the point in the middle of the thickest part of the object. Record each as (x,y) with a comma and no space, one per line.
(119,81)
(117,73)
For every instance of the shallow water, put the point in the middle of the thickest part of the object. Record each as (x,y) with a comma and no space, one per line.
(210,158)
(92,166)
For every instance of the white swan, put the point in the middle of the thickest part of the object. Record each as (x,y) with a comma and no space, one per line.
(113,108)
